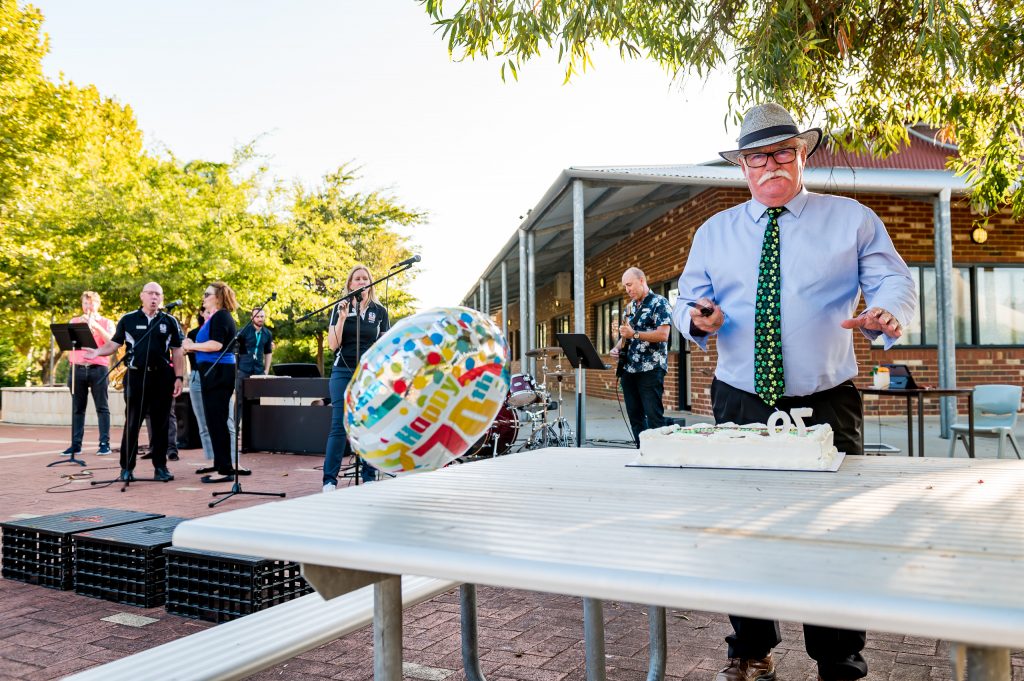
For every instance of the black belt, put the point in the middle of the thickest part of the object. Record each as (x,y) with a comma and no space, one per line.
(150,368)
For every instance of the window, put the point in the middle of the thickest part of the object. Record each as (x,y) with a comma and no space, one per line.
(606,321)
(561,324)
(1000,292)
(541,335)
(988,306)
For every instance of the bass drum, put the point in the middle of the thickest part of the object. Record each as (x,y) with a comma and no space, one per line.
(499,437)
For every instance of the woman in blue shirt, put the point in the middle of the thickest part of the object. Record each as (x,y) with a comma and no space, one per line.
(217,376)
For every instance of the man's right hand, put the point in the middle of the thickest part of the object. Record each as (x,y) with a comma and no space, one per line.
(90,353)
(711,323)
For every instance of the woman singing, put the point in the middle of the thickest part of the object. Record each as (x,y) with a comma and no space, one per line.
(217,376)
(342,338)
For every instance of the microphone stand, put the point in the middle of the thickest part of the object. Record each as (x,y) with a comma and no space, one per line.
(236,487)
(357,294)
(128,392)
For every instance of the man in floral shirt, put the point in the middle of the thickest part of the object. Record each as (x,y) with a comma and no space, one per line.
(643,336)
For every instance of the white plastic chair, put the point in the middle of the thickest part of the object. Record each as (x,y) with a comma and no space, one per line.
(995,414)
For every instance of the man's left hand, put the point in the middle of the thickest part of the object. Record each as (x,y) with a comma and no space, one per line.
(178,387)
(875,319)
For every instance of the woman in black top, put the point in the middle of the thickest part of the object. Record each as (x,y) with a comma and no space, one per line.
(349,347)
(217,376)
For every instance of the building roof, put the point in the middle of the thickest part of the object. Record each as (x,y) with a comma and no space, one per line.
(622,199)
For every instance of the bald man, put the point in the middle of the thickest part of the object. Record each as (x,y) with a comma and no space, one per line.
(643,345)
(154,377)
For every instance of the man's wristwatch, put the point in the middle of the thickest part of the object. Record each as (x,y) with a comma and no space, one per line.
(179,378)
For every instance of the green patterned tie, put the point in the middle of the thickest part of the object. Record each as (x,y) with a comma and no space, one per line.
(769,383)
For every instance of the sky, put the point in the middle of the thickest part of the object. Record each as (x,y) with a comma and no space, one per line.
(321,83)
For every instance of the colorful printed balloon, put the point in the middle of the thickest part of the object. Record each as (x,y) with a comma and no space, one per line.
(427,390)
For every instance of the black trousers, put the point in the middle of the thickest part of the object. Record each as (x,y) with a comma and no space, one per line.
(218,385)
(642,394)
(148,392)
(837,651)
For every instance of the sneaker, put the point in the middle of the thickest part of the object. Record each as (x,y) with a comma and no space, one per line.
(330,487)
(104,450)
(71,451)
(173,456)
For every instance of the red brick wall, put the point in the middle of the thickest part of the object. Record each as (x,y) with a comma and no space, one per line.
(660,250)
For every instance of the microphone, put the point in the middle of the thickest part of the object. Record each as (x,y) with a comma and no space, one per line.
(173,304)
(408,261)
(273,296)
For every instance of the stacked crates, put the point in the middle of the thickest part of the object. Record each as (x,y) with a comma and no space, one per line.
(125,564)
(218,587)
(40,550)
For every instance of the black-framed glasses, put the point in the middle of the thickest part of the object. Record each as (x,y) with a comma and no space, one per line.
(207,294)
(781,156)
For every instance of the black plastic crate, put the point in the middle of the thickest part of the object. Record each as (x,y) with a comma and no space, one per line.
(218,587)
(40,550)
(125,564)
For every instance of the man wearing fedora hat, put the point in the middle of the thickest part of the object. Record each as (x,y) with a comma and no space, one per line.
(781,275)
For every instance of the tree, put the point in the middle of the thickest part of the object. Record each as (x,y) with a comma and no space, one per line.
(331,228)
(863,67)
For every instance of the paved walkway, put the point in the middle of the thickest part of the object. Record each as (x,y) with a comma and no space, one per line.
(47,634)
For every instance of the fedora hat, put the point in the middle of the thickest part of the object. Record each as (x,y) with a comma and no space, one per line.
(766,124)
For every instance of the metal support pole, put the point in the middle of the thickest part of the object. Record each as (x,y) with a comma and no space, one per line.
(487,296)
(659,644)
(470,642)
(579,302)
(944,312)
(523,301)
(593,637)
(504,298)
(531,284)
(387,629)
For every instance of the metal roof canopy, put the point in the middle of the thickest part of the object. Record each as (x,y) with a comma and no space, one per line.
(618,201)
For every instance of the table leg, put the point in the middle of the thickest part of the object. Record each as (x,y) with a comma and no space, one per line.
(470,646)
(970,423)
(920,424)
(659,644)
(910,428)
(976,663)
(387,629)
(593,636)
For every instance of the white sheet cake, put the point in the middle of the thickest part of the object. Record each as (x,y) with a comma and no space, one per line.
(728,445)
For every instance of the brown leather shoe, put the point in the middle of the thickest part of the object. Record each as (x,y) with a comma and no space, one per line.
(748,670)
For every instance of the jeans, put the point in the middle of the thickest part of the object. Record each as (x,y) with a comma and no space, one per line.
(337,441)
(195,392)
(642,394)
(89,377)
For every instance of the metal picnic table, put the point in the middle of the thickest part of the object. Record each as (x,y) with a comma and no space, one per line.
(924,547)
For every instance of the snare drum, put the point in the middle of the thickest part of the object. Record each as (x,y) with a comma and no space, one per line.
(522,391)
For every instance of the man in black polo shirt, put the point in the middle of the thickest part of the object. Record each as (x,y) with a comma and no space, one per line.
(257,348)
(153,379)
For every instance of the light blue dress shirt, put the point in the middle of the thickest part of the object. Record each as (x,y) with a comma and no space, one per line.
(831,248)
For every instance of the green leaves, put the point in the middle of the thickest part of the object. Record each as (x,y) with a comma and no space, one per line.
(83,206)
(860,67)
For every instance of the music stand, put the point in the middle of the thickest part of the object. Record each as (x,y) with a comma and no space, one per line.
(582,355)
(71,337)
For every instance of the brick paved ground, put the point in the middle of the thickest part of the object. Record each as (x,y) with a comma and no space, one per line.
(46,634)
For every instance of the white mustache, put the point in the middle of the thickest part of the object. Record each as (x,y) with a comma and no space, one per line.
(773,174)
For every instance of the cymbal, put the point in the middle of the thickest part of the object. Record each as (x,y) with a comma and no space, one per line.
(544,352)
(560,374)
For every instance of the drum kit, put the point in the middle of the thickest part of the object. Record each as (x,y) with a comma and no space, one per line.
(528,403)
